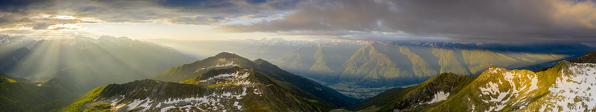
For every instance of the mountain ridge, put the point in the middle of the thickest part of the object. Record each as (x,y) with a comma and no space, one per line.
(562,87)
(194,69)
(246,91)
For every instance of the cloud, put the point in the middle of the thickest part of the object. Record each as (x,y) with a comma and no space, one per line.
(20,5)
(492,20)
(199,20)
(179,11)
(483,20)
(18,13)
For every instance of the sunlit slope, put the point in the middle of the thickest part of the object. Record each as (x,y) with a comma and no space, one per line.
(449,61)
(188,71)
(370,63)
(420,67)
(419,97)
(229,88)
(377,61)
(320,66)
(402,62)
(376,65)
(316,61)
(564,87)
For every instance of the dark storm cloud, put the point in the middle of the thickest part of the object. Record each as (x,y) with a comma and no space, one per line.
(18,5)
(176,10)
(197,4)
(18,13)
(500,20)
(14,13)
(496,20)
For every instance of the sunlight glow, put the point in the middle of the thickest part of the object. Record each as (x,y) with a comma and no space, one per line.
(64,27)
(166,31)
(65,17)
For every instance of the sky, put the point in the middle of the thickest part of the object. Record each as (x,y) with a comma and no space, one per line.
(452,20)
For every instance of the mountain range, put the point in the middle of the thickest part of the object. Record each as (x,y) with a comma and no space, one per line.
(565,86)
(378,65)
(228,82)
(47,74)
(86,62)
(362,69)
(225,82)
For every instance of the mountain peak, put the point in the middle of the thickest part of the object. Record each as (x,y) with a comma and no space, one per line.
(263,62)
(589,57)
(228,55)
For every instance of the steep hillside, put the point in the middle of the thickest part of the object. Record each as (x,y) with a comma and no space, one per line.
(350,67)
(370,64)
(376,65)
(419,97)
(589,57)
(21,95)
(565,86)
(320,65)
(219,89)
(189,71)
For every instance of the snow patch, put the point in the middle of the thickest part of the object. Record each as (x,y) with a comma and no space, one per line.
(573,91)
(438,97)
(217,101)
(514,88)
(231,63)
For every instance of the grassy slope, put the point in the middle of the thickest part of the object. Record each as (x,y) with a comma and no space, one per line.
(23,95)
(469,95)
(189,71)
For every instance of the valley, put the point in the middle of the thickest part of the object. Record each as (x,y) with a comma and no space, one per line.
(365,68)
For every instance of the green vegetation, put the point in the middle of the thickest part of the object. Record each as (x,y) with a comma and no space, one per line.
(414,98)
(204,68)
(522,79)
(380,65)
(273,95)
(80,103)
(21,95)
(496,89)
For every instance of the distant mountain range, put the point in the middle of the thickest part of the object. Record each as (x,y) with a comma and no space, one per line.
(47,74)
(225,82)
(362,69)
(86,62)
(228,82)
(563,87)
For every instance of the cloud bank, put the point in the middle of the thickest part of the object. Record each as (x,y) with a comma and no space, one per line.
(479,20)
(498,20)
